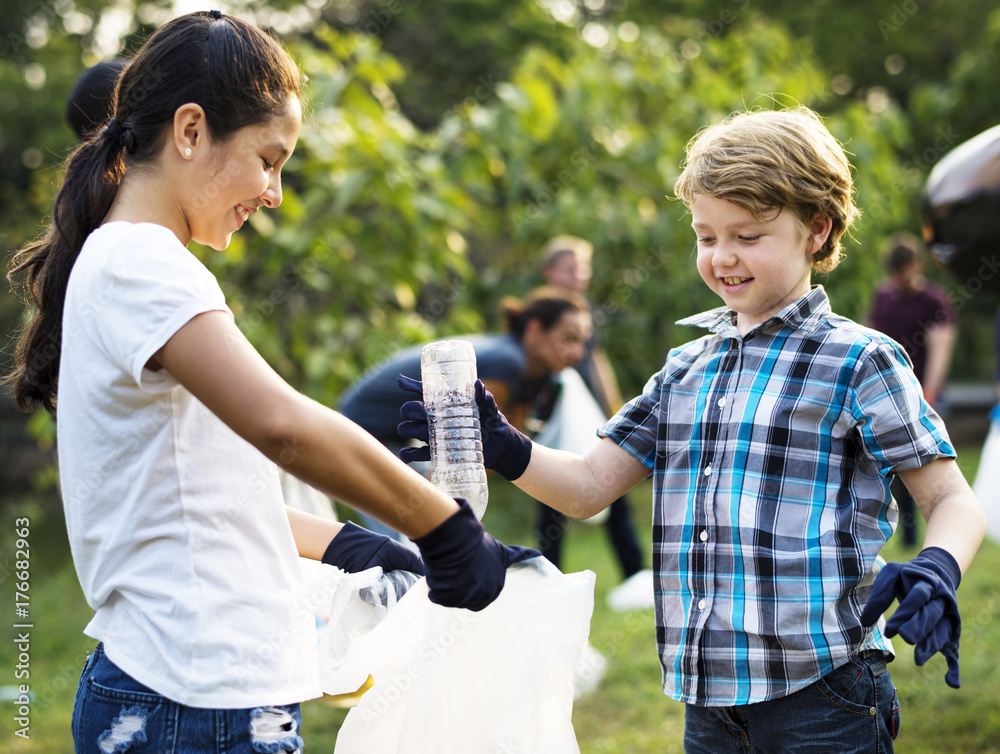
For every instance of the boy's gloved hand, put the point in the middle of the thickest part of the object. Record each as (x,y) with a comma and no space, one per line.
(927,615)
(355,549)
(505,450)
(466,567)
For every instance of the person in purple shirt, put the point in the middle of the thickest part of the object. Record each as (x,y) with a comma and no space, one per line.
(917,315)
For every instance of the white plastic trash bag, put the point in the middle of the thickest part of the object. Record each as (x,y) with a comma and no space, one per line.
(453,681)
(575,418)
(987,484)
(361,601)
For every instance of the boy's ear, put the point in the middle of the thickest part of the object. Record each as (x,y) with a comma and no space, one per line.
(819,231)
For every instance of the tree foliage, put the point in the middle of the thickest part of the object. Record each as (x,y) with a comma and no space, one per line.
(392,234)
(369,251)
(445,142)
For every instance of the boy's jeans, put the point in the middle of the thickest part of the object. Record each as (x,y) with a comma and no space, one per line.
(114,714)
(852,710)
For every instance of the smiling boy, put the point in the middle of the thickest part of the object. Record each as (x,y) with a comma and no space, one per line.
(770,441)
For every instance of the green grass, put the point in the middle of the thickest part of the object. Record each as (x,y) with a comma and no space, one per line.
(628,714)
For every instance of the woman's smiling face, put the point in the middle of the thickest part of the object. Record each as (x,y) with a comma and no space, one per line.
(240,175)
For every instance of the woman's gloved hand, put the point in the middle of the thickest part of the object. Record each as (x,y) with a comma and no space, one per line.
(466,567)
(356,549)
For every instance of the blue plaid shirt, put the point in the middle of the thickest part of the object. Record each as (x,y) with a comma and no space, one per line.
(769,454)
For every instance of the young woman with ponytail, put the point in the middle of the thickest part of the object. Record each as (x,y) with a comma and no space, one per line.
(171,427)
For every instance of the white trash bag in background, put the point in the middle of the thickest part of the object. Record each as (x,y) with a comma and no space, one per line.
(453,681)
(987,484)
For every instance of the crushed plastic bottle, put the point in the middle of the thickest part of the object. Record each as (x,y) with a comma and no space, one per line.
(448,371)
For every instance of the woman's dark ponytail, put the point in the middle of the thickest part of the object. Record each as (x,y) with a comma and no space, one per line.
(93,173)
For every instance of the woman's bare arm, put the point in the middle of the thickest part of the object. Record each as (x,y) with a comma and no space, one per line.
(211,358)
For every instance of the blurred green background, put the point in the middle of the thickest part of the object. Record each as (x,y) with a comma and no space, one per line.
(446,140)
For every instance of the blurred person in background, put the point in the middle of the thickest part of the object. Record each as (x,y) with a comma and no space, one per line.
(566,263)
(90,103)
(917,315)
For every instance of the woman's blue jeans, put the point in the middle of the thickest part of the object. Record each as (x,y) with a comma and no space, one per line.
(852,710)
(115,714)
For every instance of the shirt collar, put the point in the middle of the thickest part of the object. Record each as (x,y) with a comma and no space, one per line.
(804,314)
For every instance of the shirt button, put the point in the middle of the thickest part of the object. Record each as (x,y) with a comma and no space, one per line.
(872,712)
(722,402)
(701,604)
(708,470)
(703,536)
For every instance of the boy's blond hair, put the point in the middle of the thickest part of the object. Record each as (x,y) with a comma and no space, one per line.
(773,159)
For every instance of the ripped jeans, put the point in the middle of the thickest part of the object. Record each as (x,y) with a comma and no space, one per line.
(115,714)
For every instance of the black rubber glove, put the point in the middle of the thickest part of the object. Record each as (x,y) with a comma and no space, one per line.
(505,450)
(466,567)
(927,615)
(355,549)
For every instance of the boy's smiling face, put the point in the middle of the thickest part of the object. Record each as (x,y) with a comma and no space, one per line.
(758,267)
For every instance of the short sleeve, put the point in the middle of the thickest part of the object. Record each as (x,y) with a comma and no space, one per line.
(140,287)
(945,313)
(898,429)
(635,426)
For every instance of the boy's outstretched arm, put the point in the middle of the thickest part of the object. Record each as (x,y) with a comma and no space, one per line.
(927,615)
(580,486)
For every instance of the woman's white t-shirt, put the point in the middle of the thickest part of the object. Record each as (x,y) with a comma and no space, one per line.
(177,525)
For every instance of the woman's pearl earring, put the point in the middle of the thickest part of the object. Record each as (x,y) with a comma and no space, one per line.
(188,152)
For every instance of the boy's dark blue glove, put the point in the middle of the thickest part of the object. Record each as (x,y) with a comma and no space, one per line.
(505,450)
(355,549)
(927,615)
(466,567)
